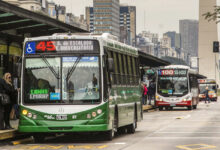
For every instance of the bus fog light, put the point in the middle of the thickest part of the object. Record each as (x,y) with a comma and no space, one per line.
(24,112)
(99,111)
(34,117)
(94,114)
(88,116)
(29,115)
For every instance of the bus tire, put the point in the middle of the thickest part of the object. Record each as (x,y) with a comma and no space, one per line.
(131,128)
(109,134)
(160,108)
(189,107)
(38,138)
(194,106)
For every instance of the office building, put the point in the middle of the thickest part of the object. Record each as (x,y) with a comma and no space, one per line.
(189,36)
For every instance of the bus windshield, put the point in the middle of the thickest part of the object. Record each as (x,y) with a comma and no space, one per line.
(172,86)
(211,87)
(68,80)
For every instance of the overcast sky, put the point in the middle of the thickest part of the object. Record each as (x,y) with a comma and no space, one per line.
(160,15)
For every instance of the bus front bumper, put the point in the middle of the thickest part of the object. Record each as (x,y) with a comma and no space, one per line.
(173,104)
(55,129)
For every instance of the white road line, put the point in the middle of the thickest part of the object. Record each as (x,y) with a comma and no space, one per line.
(177,137)
(123,143)
(189,132)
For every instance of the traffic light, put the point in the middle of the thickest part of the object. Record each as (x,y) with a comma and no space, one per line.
(215,47)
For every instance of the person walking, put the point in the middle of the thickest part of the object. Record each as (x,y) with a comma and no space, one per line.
(12,93)
(206,92)
(151,92)
(144,93)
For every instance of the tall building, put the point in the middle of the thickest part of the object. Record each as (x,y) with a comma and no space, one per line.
(128,24)
(189,36)
(106,16)
(90,18)
(208,61)
(99,20)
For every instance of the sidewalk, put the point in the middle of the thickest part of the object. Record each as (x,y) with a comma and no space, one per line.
(7,134)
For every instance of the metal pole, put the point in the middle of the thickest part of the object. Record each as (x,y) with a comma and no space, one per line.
(215,66)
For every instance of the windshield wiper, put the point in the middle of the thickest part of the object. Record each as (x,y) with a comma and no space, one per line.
(69,74)
(50,67)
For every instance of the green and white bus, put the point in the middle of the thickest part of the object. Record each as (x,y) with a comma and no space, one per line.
(79,83)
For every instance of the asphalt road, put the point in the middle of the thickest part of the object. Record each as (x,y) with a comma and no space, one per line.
(178,129)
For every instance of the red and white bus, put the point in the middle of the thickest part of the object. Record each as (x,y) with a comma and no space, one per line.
(212,86)
(177,86)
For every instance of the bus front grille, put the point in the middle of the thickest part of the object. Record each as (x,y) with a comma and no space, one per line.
(60,128)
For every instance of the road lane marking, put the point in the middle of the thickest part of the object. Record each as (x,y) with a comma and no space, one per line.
(186,132)
(196,147)
(22,141)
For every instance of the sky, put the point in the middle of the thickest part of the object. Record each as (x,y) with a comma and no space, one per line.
(156,16)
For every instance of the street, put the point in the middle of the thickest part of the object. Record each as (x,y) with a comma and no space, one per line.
(159,130)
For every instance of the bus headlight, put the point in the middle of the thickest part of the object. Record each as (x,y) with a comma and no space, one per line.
(94,114)
(24,112)
(214,95)
(159,99)
(29,115)
(99,111)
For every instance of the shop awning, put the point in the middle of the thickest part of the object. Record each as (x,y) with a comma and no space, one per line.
(22,22)
(151,61)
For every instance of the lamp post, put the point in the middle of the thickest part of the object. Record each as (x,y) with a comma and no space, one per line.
(57,9)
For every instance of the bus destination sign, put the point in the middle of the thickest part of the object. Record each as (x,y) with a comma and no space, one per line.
(34,47)
(172,72)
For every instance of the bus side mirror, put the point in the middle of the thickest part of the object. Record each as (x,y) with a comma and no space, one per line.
(111,65)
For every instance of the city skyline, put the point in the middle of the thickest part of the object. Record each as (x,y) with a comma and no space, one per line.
(160,16)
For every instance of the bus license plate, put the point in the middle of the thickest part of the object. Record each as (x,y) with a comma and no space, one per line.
(61,117)
(172,104)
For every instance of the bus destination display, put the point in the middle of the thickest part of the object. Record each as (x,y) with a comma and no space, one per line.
(172,72)
(34,47)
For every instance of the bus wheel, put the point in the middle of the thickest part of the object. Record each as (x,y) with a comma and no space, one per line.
(131,128)
(189,107)
(194,106)
(121,130)
(38,138)
(160,108)
(110,134)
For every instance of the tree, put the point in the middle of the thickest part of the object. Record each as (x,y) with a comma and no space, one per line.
(213,16)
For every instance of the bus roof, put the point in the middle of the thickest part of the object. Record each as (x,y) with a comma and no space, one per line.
(107,39)
(191,71)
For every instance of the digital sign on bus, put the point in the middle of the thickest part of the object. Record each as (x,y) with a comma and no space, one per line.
(51,46)
(172,72)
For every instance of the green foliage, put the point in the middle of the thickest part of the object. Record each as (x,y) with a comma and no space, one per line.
(213,16)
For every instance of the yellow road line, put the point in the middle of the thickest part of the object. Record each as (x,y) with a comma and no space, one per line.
(203,146)
(22,141)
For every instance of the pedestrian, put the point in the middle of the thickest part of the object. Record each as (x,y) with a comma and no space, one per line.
(2,90)
(151,92)
(144,93)
(206,92)
(12,93)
